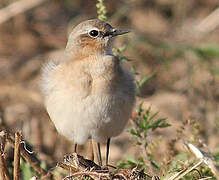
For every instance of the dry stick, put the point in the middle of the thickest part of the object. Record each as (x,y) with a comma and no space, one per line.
(17,8)
(29,158)
(2,167)
(189,170)
(4,174)
(206,157)
(209,23)
(17,155)
(2,146)
(67,167)
(88,173)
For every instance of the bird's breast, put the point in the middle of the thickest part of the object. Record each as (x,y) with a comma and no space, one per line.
(105,74)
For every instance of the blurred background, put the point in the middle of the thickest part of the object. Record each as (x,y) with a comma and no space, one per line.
(174,42)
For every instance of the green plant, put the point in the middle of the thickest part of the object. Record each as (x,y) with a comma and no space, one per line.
(144,122)
(131,162)
(101,10)
(26,170)
(119,53)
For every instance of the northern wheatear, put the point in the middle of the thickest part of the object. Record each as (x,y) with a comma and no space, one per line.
(87,92)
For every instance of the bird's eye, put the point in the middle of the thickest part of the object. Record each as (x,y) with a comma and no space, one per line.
(93,33)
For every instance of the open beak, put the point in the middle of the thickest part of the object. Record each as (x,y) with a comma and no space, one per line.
(116,32)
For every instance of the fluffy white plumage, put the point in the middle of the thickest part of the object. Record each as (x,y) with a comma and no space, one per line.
(91,97)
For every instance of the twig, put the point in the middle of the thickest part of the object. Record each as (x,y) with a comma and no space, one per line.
(2,140)
(2,167)
(2,147)
(17,155)
(4,174)
(189,169)
(31,159)
(175,175)
(182,173)
(67,167)
(88,173)
(205,156)
(209,23)
(205,178)
(17,8)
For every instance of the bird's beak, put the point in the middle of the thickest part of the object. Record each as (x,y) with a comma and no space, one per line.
(116,32)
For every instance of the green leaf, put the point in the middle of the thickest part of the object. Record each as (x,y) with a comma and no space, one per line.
(139,109)
(156,124)
(27,170)
(138,134)
(160,124)
(139,143)
(124,59)
(135,132)
(148,110)
(141,124)
(147,124)
(207,51)
(133,70)
(122,165)
(156,165)
(123,48)
(153,116)
(130,160)
(132,131)
(145,80)
(145,116)
(164,125)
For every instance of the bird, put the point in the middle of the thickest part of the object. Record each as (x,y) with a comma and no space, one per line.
(87,92)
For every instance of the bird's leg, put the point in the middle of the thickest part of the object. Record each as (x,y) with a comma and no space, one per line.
(75,148)
(91,150)
(96,148)
(107,151)
(99,154)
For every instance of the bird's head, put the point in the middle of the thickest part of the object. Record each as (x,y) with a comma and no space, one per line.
(92,37)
